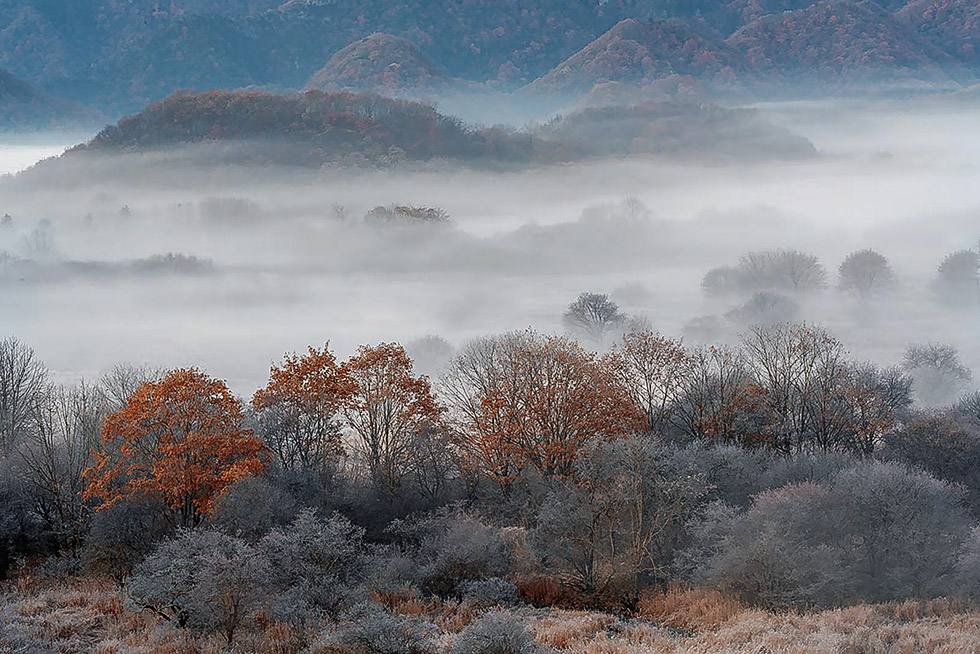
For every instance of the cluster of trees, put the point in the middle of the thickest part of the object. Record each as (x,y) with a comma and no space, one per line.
(774,278)
(534,470)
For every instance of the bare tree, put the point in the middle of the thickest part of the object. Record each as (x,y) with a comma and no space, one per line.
(64,428)
(22,381)
(593,316)
(866,273)
(939,377)
(122,380)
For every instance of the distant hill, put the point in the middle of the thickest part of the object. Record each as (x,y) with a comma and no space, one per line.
(842,42)
(381,63)
(121,54)
(22,107)
(347,129)
(641,51)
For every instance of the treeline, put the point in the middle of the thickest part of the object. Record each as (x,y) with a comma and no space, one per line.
(532,470)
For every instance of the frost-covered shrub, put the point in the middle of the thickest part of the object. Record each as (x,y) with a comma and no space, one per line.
(455,548)
(368,629)
(251,508)
(202,579)
(496,632)
(489,592)
(871,532)
(314,565)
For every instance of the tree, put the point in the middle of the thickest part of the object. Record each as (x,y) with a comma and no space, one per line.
(616,528)
(64,429)
(958,279)
(592,317)
(298,410)
(652,369)
(866,273)
(22,381)
(387,411)
(179,441)
(781,270)
(527,401)
(939,377)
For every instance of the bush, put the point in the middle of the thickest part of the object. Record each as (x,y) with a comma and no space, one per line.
(251,508)
(368,629)
(202,579)
(314,565)
(871,532)
(455,548)
(497,632)
(489,592)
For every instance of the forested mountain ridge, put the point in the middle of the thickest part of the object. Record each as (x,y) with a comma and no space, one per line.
(121,55)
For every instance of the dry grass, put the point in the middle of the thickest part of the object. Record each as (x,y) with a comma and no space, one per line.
(691,610)
(92,616)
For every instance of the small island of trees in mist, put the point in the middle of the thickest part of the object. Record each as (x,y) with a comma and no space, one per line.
(541,493)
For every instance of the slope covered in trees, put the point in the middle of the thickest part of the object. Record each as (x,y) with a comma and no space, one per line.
(125,54)
(314,128)
(840,41)
(24,107)
(380,63)
(640,52)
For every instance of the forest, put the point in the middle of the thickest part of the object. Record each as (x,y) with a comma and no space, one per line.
(611,489)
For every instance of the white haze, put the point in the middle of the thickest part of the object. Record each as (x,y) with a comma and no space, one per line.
(288,275)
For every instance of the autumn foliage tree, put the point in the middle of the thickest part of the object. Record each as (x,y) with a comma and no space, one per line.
(299,410)
(180,441)
(527,401)
(389,410)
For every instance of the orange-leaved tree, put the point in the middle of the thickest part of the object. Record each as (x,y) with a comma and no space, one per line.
(179,441)
(526,401)
(298,410)
(389,411)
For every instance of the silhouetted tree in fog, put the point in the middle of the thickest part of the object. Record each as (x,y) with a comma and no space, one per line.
(593,317)
(866,273)
(958,280)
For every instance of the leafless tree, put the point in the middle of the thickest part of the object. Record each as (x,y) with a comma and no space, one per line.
(593,316)
(22,381)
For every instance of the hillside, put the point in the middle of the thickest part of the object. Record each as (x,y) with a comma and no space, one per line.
(842,42)
(24,107)
(121,54)
(381,63)
(366,130)
(950,24)
(640,52)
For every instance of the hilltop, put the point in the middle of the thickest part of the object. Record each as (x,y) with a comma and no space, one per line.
(381,63)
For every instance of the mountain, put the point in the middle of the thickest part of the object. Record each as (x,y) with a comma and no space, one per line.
(639,52)
(841,42)
(953,25)
(22,107)
(381,63)
(121,54)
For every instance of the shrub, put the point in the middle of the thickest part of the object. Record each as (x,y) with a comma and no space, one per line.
(497,632)
(368,629)
(488,592)
(202,579)
(313,565)
(871,532)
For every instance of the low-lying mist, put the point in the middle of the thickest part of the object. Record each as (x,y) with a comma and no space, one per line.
(266,260)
